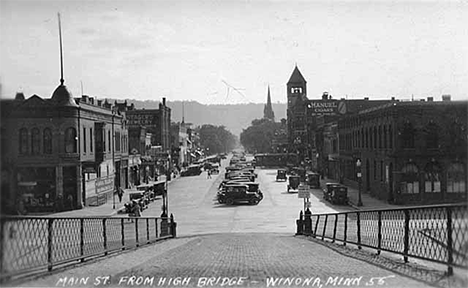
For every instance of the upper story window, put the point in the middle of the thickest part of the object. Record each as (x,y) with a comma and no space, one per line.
(432,136)
(70,140)
(407,135)
(84,140)
(47,141)
(23,141)
(117,141)
(91,143)
(296,90)
(35,141)
(109,141)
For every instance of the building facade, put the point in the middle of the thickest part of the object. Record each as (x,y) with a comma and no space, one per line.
(60,153)
(156,121)
(411,152)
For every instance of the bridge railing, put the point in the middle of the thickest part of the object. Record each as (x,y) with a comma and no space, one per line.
(35,244)
(436,233)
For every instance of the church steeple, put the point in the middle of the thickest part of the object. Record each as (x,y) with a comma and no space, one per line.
(268,109)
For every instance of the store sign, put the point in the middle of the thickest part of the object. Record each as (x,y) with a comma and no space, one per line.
(104,185)
(327,107)
(303,191)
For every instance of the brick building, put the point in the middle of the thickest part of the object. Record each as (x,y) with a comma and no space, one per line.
(156,121)
(411,152)
(60,153)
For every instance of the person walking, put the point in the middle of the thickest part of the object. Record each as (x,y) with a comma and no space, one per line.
(137,209)
(208,176)
(120,194)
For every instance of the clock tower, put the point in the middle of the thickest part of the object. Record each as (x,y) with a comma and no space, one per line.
(296,108)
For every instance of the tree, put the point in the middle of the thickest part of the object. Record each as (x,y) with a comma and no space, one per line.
(216,139)
(258,137)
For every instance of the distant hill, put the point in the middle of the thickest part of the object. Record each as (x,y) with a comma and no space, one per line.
(234,117)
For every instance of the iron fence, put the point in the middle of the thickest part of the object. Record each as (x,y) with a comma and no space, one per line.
(32,244)
(434,233)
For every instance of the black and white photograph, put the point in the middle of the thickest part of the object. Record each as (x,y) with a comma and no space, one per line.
(234,143)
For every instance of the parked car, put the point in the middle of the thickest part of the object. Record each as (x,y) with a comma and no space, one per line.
(294,181)
(336,193)
(281,175)
(238,194)
(192,170)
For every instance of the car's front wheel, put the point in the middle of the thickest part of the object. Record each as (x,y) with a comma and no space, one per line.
(229,201)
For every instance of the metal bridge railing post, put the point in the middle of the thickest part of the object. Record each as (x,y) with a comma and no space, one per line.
(358,223)
(104,235)
(316,225)
(147,231)
(406,237)
(334,228)
(345,229)
(50,223)
(379,233)
(82,239)
(122,228)
(136,232)
(449,241)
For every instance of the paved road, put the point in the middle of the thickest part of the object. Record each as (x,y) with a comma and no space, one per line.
(192,201)
(246,260)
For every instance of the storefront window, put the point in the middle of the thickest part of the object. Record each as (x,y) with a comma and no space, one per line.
(36,187)
(70,140)
(47,137)
(35,141)
(456,178)
(432,178)
(23,141)
(409,179)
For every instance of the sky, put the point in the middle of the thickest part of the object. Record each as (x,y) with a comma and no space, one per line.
(217,52)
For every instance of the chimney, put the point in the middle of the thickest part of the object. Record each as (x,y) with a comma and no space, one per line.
(446,97)
(393,98)
(164,101)
(84,98)
(366,98)
(325,96)
(91,100)
(99,102)
(430,99)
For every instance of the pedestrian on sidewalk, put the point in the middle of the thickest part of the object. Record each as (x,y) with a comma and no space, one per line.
(208,176)
(120,194)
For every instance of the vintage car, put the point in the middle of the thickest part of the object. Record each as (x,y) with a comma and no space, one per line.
(214,169)
(192,170)
(335,193)
(141,197)
(294,181)
(238,193)
(313,180)
(281,175)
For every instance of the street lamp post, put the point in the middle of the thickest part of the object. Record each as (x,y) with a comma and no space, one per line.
(359,176)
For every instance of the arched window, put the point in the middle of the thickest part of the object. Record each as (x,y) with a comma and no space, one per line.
(384,136)
(409,179)
(70,140)
(35,141)
(23,141)
(432,140)
(407,136)
(432,178)
(47,141)
(456,178)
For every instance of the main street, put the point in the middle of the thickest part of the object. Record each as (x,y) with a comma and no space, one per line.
(196,211)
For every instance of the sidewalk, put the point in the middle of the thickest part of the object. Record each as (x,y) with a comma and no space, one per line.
(368,201)
(105,210)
